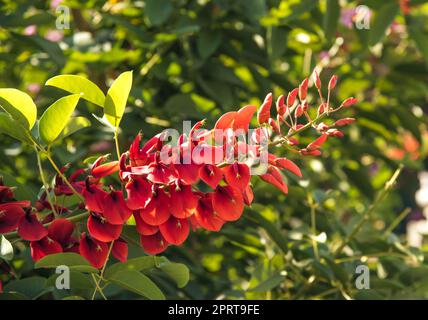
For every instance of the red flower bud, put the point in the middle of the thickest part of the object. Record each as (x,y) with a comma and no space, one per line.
(280,106)
(317,80)
(274,125)
(349,102)
(291,98)
(332,83)
(344,122)
(303,89)
(264,112)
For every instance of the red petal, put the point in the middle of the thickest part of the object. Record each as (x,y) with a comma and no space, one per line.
(105,169)
(274,178)
(61,230)
(237,175)
(205,216)
(157,210)
(288,165)
(228,203)
(44,247)
(243,118)
(175,231)
(102,230)
(225,121)
(153,244)
(211,175)
(115,209)
(189,173)
(263,114)
(139,192)
(30,228)
(94,251)
(248,195)
(10,215)
(94,198)
(120,250)
(160,173)
(142,227)
(184,201)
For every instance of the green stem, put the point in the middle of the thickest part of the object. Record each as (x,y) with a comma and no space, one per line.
(367,215)
(45,184)
(116,142)
(97,288)
(97,284)
(396,222)
(312,206)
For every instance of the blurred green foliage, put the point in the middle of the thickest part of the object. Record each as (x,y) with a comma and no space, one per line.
(197,59)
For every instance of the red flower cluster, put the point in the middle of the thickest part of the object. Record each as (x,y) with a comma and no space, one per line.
(201,181)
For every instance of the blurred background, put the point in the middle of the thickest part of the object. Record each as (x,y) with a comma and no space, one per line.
(195,59)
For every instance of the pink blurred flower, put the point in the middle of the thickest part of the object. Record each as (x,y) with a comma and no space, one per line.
(54,35)
(55,3)
(30,30)
(33,88)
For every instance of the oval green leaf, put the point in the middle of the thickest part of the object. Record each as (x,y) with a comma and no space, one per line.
(20,106)
(72,260)
(137,282)
(116,98)
(14,129)
(136,264)
(178,272)
(74,124)
(77,85)
(56,117)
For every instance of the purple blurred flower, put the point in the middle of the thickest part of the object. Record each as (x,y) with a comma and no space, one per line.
(347,17)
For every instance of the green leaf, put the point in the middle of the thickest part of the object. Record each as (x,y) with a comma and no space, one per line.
(384,17)
(6,249)
(178,272)
(72,260)
(137,264)
(158,11)
(269,284)
(137,282)
(78,280)
(31,287)
(77,85)
(421,40)
(14,129)
(56,117)
(74,124)
(277,40)
(73,298)
(331,18)
(20,106)
(208,42)
(117,95)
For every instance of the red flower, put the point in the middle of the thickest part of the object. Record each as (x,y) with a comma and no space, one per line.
(61,230)
(157,210)
(183,201)
(93,250)
(94,197)
(142,227)
(274,177)
(10,215)
(44,247)
(30,228)
(211,175)
(102,230)
(153,244)
(205,216)
(237,175)
(139,192)
(120,250)
(228,203)
(175,231)
(114,208)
